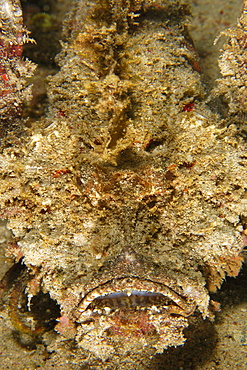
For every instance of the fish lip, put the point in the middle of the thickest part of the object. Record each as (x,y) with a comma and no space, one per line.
(182,306)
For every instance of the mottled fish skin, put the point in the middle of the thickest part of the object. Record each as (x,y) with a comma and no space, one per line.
(128,199)
(232,63)
(13,69)
(11,20)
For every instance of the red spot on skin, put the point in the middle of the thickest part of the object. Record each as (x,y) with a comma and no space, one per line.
(196,66)
(171,167)
(60,173)
(15,51)
(60,113)
(5,92)
(189,107)
(5,77)
(10,51)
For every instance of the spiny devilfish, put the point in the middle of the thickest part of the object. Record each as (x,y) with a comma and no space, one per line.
(126,206)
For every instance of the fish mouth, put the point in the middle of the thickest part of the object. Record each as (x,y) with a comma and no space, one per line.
(132,312)
(133,293)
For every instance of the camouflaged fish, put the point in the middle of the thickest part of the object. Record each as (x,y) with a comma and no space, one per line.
(127,201)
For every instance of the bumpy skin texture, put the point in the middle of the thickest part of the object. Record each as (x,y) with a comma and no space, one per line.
(13,69)
(130,185)
(232,65)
